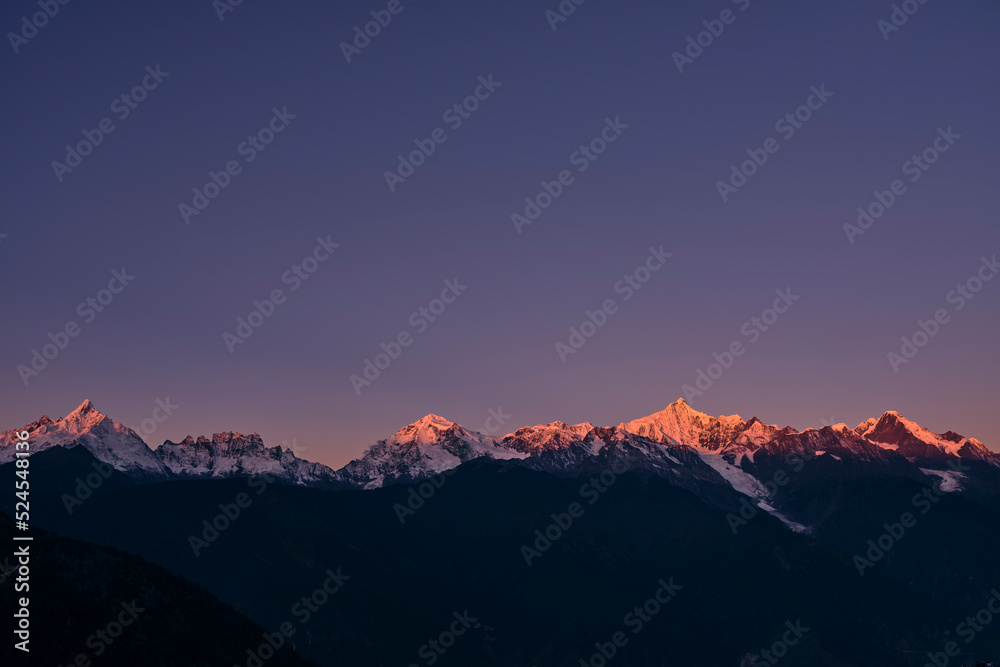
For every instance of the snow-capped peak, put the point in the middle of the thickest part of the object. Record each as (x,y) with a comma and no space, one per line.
(679,423)
(437,421)
(893,431)
(424,431)
(431,429)
(433,445)
(756,432)
(107,440)
(428,446)
(46,433)
(864,427)
(83,418)
(892,427)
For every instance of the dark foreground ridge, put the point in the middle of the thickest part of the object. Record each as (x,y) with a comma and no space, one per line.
(500,565)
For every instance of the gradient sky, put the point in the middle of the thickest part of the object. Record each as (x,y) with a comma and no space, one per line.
(825,359)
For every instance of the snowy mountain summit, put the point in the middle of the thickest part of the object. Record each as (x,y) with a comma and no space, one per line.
(681,444)
(894,431)
(424,448)
(107,440)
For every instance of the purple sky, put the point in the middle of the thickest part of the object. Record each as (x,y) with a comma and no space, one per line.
(825,359)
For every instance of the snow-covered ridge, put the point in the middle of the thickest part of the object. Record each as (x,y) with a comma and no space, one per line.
(552,436)
(681,424)
(718,459)
(427,447)
(893,431)
(662,442)
(236,455)
(107,440)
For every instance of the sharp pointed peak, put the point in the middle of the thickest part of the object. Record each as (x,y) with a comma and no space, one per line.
(85,413)
(681,406)
(678,407)
(887,418)
(758,424)
(86,407)
(891,417)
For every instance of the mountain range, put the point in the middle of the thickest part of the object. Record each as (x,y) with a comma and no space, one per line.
(761,526)
(720,459)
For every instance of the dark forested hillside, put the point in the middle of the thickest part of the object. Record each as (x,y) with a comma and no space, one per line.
(97,605)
